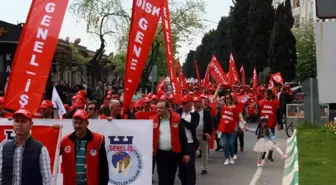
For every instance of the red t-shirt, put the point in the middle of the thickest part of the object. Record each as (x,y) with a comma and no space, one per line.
(269,109)
(229,119)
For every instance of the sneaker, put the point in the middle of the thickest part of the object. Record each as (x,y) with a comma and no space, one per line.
(232,161)
(241,149)
(226,162)
(271,159)
(284,156)
(204,172)
(235,157)
(259,164)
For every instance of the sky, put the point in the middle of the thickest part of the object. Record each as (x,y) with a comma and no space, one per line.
(16,11)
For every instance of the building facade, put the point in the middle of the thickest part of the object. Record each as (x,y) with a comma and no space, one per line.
(303,10)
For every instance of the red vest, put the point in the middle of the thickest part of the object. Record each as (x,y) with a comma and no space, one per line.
(174,132)
(92,160)
(269,109)
(229,119)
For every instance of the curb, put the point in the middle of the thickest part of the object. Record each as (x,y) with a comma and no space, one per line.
(291,167)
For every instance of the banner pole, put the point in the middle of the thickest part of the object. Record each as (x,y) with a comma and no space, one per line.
(57,156)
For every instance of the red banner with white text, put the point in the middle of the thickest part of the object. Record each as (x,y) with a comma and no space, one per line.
(206,81)
(181,76)
(234,78)
(198,74)
(144,21)
(242,74)
(255,78)
(34,54)
(45,134)
(217,72)
(175,85)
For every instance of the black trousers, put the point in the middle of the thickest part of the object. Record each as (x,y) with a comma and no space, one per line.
(154,160)
(270,154)
(240,137)
(166,164)
(187,172)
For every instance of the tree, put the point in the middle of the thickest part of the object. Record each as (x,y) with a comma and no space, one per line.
(260,20)
(102,18)
(186,19)
(305,50)
(238,31)
(188,65)
(282,51)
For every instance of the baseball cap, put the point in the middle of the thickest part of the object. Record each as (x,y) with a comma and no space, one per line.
(197,99)
(79,101)
(146,100)
(82,114)
(24,113)
(82,92)
(186,99)
(46,104)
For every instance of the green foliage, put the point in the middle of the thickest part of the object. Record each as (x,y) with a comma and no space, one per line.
(78,55)
(119,61)
(282,51)
(306,52)
(260,18)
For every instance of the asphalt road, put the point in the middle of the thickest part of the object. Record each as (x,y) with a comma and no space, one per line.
(245,170)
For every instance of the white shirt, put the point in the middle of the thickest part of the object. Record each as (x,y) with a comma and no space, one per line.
(199,129)
(187,117)
(165,136)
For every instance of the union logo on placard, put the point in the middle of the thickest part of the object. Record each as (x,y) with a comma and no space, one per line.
(125,161)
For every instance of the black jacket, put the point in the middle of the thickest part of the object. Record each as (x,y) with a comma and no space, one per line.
(192,125)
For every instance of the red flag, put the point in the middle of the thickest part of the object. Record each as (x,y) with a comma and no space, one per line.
(161,84)
(34,55)
(217,72)
(271,83)
(144,21)
(206,81)
(197,73)
(233,71)
(175,84)
(45,134)
(242,73)
(181,76)
(255,78)
(277,78)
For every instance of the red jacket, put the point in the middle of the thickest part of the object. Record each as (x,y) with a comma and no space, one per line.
(92,159)
(144,115)
(174,131)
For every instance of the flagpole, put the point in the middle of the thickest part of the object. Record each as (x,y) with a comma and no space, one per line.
(57,156)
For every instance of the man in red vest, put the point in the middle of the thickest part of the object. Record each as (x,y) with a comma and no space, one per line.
(169,143)
(268,108)
(83,153)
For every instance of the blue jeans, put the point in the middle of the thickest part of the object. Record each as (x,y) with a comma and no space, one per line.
(228,141)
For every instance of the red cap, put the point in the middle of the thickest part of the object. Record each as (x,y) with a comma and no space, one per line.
(79,101)
(46,104)
(203,96)
(74,97)
(170,97)
(24,113)
(108,97)
(67,107)
(197,99)
(163,97)
(154,97)
(82,93)
(150,95)
(82,114)
(190,93)
(146,100)
(137,104)
(186,99)
(109,92)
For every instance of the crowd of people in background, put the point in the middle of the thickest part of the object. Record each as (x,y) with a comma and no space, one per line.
(218,114)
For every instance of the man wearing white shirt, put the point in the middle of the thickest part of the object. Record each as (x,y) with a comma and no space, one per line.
(190,119)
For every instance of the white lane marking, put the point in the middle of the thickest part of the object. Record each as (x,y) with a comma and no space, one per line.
(256,176)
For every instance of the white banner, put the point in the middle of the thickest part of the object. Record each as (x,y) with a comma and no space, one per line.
(130,139)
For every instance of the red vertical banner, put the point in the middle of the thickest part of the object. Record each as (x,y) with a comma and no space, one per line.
(206,81)
(144,21)
(233,71)
(34,54)
(242,74)
(181,76)
(197,73)
(217,72)
(175,84)
(161,84)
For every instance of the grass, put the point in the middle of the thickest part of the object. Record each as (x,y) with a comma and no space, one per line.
(317,155)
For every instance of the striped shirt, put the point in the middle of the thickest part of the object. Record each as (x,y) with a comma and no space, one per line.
(81,161)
